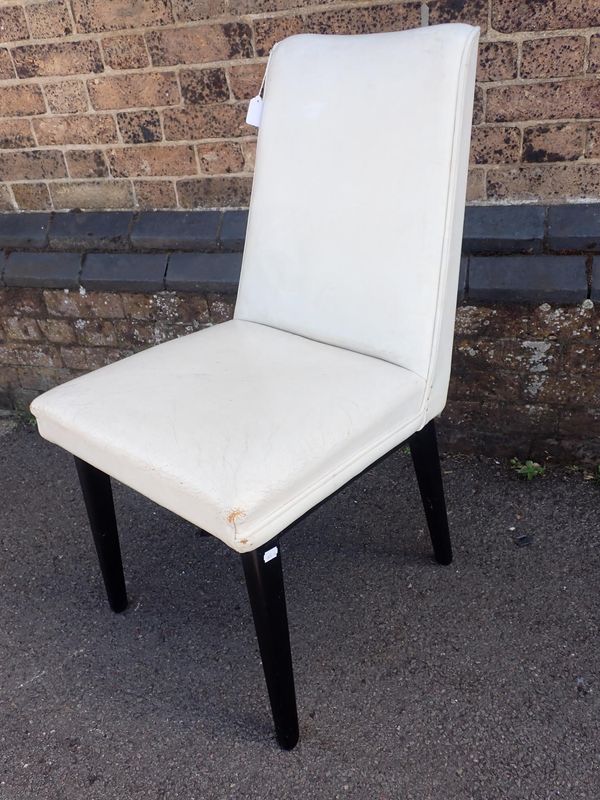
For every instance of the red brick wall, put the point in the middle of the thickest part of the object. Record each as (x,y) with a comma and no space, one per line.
(141,103)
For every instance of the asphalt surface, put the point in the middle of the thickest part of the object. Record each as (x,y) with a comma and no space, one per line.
(415,681)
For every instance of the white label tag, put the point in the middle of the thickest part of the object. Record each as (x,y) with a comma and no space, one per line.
(255,111)
(270,554)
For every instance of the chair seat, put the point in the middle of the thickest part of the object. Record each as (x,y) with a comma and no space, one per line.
(240,428)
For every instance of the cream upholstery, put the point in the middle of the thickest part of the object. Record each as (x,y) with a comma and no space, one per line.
(340,347)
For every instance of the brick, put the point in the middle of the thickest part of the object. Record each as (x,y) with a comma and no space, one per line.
(475,185)
(215,121)
(592,148)
(92,305)
(198,45)
(577,323)
(15,133)
(6,201)
(48,20)
(551,100)
(21,329)
(195,10)
(24,230)
(21,302)
(217,192)
(155,194)
(13,25)
(23,100)
(537,278)
(552,58)
(31,196)
(66,97)
(125,52)
(34,355)
(132,272)
(91,231)
(374,19)
(504,229)
(139,306)
(199,86)
(478,106)
(176,230)
(57,331)
(269,31)
(193,272)
(595,295)
(42,378)
(494,321)
(139,127)
(263,6)
(543,183)
(138,334)
(98,15)
(510,16)
(32,165)
(46,270)
(233,230)
(481,384)
(594,54)
(220,158)
(63,58)
(7,70)
(92,129)
(574,227)
(87,358)
(101,194)
(135,90)
(95,333)
(493,145)
(473,12)
(152,160)
(563,142)
(221,308)
(245,80)
(497,61)
(86,163)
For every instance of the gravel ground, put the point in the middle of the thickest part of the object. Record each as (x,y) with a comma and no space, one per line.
(415,681)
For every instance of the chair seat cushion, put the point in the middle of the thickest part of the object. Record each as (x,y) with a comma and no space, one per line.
(240,428)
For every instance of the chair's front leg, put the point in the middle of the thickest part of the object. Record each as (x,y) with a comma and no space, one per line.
(264,579)
(426,458)
(97,494)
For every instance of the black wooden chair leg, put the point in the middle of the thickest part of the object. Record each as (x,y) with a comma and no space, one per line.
(97,494)
(264,580)
(426,458)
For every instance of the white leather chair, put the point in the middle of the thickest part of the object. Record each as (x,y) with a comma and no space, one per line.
(340,347)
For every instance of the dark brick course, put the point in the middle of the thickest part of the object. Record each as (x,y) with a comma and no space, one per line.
(192,272)
(504,229)
(90,230)
(24,230)
(134,272)
(574,227)
(47,270)
(528,279)
(176,230)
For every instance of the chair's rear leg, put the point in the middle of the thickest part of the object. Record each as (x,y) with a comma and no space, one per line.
(425,455)
(264,579)
(97,494)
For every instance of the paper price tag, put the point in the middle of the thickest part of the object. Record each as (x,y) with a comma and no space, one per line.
(255,111)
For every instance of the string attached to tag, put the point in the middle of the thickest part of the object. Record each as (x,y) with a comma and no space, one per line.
(255,107)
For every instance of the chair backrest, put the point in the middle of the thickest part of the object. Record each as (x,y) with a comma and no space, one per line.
(357,208)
